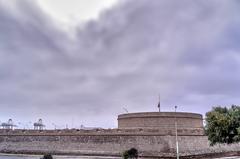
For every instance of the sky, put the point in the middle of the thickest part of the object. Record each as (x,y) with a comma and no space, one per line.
(83,62)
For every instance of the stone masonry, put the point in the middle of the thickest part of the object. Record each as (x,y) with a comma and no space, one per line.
(152,133)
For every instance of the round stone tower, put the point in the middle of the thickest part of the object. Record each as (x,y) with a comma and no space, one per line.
(187,123)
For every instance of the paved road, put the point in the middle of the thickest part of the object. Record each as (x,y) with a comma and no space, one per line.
(234,157)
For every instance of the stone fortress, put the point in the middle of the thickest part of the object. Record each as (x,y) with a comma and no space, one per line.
(152,133)
(187,123)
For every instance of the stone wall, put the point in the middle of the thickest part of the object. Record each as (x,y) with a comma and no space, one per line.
(102,143)
(159,120)
(107,142)
(152,133)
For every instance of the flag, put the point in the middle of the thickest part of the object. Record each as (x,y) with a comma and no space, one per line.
(159,106)
(159,102)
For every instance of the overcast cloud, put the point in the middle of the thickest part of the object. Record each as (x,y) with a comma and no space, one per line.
(188,51)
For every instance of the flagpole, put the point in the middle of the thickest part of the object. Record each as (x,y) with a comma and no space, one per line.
(159,104)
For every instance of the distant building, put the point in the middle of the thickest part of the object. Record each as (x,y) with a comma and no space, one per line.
(38,125)
(89,128)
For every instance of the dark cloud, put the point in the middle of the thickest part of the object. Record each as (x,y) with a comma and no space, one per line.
(188,51)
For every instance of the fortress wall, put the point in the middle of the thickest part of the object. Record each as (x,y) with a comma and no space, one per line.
(160,120)
(139,131)
(156,122)
(100,144)
(152,133)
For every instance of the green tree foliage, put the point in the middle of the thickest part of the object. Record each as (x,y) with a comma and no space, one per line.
(223,125)
(130,154)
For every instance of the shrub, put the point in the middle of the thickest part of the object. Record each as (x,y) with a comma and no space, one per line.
(125,155)
(130,154)
(47,156)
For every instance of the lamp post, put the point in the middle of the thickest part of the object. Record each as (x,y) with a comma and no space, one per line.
(176,128)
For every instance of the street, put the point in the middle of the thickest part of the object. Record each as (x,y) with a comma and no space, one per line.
(234,157)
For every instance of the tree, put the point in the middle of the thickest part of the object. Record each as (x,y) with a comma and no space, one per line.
(223,125)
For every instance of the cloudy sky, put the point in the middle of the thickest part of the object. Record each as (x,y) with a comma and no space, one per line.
(82,61)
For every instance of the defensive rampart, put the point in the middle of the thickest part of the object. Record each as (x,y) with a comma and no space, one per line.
(98,142)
